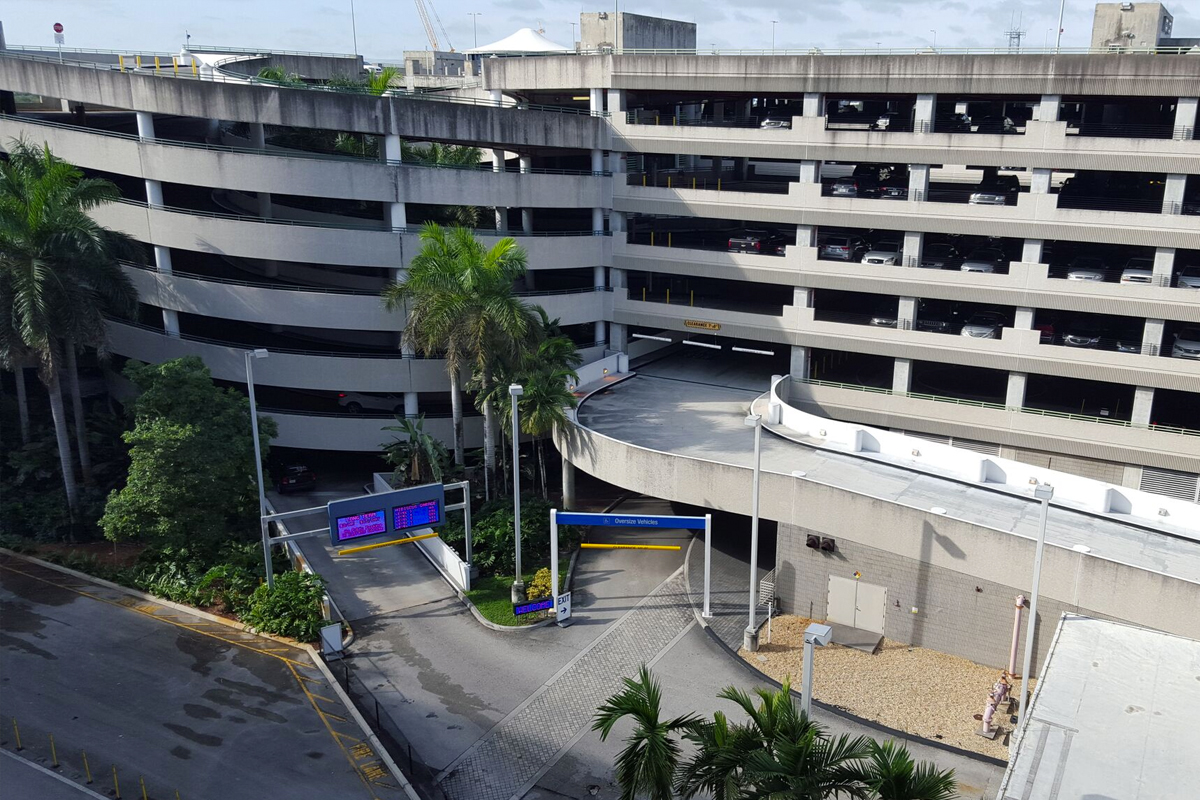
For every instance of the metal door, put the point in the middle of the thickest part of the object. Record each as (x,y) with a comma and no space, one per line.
(842,600)
(869,607)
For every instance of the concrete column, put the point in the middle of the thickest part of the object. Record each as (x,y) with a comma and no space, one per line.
(258,141)
(526,163)
(527,221)
(597,162)
(718,111)
(810,171)
(502,220)
(1152,336)
(814,104)
(568,483)
(1040,182)
(906,315)
(497,160)
(411,407)
(1164,265)
(171,322)
(154,195)
(496,95)
(902,376)
(806,235)
(799,364)
(914,243)
(1031,251)
(596,101)
(1023,318)
(616,101)
(598,221)
(598,278)
(1143,405)
(740,165)
(1185,117)
(1047,110)
(616,221)
(1173,195)
(616,163)
(923,113)
(918,182)
(145,124)
(391,147)
(617,279)
(801,297)
(1014,397)
(397,215)
(618,335)
(600,336)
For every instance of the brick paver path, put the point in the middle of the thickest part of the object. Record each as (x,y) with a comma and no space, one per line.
(522,747)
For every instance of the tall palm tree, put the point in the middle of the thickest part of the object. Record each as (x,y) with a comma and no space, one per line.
(14,358)
(60,272)
(646,765)
(892,774)
(380,82)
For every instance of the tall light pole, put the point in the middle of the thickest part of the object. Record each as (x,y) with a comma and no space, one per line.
(475,15)
(931,30)
(774,22)
(750,639)
(353,27)
(1058,39)
(515,390)
(262,490)
(1043,492)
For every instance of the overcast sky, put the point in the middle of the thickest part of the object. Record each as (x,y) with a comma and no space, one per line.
(385,28)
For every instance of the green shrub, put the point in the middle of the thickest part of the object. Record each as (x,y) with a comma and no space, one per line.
(292,608)
(540,586)
(492,537)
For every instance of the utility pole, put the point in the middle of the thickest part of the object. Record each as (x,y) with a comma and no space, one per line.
(474,15)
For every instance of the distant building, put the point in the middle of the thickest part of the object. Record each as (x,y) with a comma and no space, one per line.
(1118,26)
(634,32)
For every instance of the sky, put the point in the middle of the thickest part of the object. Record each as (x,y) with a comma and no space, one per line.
(385,28)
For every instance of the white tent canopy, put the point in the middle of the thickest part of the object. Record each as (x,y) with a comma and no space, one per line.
(526,40)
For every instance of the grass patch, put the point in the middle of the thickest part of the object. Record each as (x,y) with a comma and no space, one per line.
(492,595)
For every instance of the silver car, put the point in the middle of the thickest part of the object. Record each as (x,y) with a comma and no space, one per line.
(1189,278)
(887,253)
(1187,343)
(983,325)
(983,259)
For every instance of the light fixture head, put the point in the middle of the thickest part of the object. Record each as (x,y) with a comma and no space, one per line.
(516,389)
(260,353)
(818,634)
(1043,491)
(753,420)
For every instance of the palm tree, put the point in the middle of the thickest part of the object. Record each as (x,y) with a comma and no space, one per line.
(647,763)
(60,273)
(419,457)
(893,775)
(380,82)
(14,358)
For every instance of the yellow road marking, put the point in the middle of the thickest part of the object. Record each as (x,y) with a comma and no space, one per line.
(336,736)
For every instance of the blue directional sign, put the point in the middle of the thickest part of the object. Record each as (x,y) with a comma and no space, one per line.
(630,520)
(520,609)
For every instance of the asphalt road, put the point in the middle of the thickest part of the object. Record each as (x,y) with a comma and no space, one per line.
(187,704)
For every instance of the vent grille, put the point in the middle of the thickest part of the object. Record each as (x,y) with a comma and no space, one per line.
(983,448)
(1180,485)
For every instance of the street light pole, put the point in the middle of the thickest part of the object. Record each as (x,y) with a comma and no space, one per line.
(1043,492)
(262,491)
(1058,39)
(750,638)
(353,27)
(515,390)
(931,30)
(774,22)
(474,15)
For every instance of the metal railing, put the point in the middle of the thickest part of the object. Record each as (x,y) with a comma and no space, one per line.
(1001,407)
(259,51)
(394,355)
(347,226)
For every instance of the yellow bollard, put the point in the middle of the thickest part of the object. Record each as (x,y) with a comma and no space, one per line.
(175,64)
(668,181)
(121,62)
(17,734)
(143,782)
(138,59)
(53,752)
(668,238)
(693,183)
(116,784)
(643,180)
(195,68)
(156,64)
(643,294)
(718,184)
(652,238)
(87,770)
(668,296)
(692,301)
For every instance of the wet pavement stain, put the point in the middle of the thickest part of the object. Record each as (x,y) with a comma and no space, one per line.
(268,669)
(263,695)
(194,736)
(225,698)
(19,617)
(36,591)
(14,643)
(179,751)
(200,712)
(315,755)
(204,650)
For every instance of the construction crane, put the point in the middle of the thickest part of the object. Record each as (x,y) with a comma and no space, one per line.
(423,11)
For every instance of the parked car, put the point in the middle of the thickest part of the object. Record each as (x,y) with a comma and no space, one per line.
(984,259)
(890,120)
(841,247)
(1129,338)
(358,402)
(884,319)
(296,478)
(996,125)
(954,123)
(1085,268)
(1082,332)
(887,252)
(995,192)
(895,188)
(767,242)
(983,325)
(849,186)
(1188,278)
(941,255)
(775,123)
(934,317)
(1187,343)
(1138,270)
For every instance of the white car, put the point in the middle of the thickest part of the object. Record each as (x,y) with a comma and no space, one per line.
(889,253)
(1187,343)
(1085,269)
(983,259)
(983,325)
(775,124)
(357,402)
(1140,276)
(1189,278)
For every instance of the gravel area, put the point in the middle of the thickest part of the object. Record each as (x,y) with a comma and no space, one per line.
(919,691)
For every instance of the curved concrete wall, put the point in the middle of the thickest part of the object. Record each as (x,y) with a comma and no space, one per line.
(277,172)
(359,434)
(291,370)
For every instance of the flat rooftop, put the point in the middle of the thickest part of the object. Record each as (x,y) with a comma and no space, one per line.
(1113,717)
(695,406)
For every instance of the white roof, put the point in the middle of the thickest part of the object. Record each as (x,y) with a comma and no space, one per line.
(1113,716)
(526,40)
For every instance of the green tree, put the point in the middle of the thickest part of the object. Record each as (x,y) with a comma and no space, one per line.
(418,457)
(280,76)
(380,82)
(59,276)
(646,764)
(892,774)
(191,477)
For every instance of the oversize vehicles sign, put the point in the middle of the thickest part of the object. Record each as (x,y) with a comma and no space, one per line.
(371,516)
(630,521)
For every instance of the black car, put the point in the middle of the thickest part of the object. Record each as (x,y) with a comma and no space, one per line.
(1083,333)
(940,255)
(296,478)
(765,242)
(935,317)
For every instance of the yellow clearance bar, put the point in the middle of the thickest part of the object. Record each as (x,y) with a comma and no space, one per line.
(591,546)
(389,544)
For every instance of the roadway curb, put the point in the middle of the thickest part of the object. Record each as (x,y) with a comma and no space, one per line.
(761,676)
(313,655)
